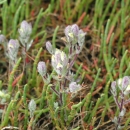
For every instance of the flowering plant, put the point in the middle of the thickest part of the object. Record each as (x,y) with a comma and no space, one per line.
(63,62)
(120,89)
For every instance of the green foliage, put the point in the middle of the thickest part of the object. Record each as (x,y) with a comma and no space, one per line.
(106,22)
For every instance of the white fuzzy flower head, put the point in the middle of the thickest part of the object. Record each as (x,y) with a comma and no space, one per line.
(123,84)
(13,47)
(71,33)
(32,107)
(74,87)
(25,31)
(59,62)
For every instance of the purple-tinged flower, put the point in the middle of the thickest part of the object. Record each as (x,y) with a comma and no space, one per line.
(124,85)
(74,35)
(113,88)
(13,47)
(125,82)
(75,29)
(67,31)
(59,62)
(113,85)
(42,68)
(71,33)
(74,87)
(49,47)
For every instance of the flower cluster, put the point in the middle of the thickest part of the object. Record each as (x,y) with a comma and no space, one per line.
(62,62)
(123,84)
(59,59)
(120,97)
(75,38)
(59,62)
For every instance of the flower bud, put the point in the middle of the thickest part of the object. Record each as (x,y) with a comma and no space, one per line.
(114,89)
(42,68)
(49,47)
(32,107)
(25,29)
(13,47)
(74,87)
(56,105)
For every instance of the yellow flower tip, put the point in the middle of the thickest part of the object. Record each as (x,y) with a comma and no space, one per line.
(62,55)
(59,65)
(53,57)
(21,29)
(71,35)
(11,46)
(128,88)
(119,81)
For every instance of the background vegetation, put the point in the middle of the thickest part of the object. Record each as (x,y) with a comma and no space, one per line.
(105,57)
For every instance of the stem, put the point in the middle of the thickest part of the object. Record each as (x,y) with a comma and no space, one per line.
(121,108)
(56,92)
(24,64)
